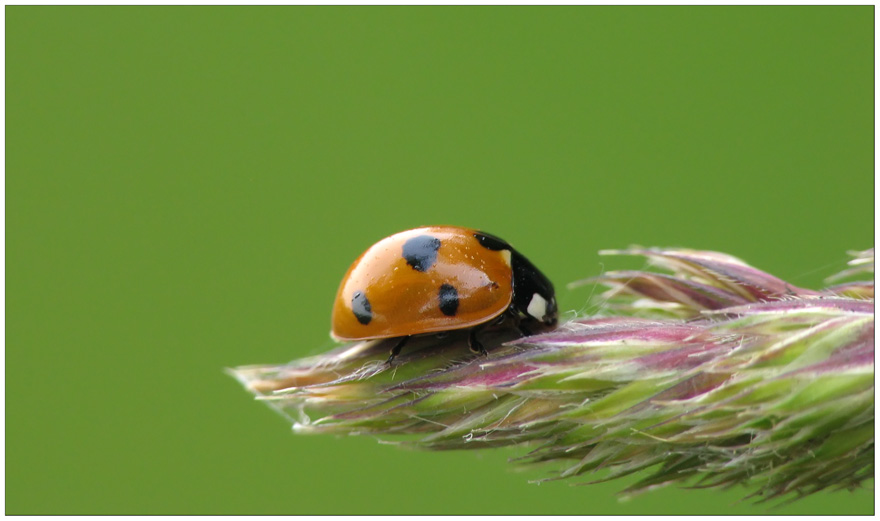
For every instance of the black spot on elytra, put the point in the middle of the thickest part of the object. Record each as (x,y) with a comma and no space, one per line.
(448,300)
(490,242)
(360,306)
(421,252)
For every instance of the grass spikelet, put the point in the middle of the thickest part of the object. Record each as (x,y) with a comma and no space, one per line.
(712,374)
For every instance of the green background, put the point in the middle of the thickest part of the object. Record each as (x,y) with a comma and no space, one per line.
(186,186)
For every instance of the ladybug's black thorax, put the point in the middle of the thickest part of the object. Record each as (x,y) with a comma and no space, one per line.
(528,281)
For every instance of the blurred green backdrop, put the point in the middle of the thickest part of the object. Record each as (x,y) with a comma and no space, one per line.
(186,186)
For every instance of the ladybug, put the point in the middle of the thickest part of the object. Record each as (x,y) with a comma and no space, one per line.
(436,279)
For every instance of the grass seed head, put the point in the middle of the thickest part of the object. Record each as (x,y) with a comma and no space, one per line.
(711,375)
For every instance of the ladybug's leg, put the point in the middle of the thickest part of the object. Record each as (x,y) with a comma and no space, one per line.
(518,320)
(397,347)
(475,344)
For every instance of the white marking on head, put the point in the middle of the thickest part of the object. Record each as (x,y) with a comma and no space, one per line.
(537,307)
(505,254)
